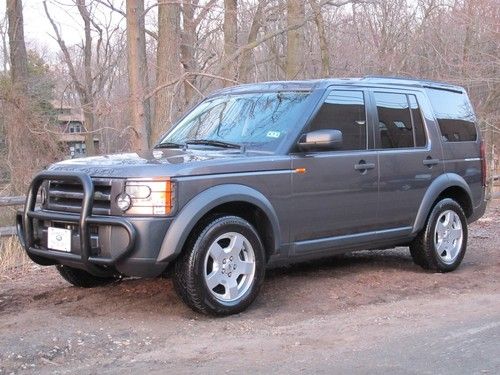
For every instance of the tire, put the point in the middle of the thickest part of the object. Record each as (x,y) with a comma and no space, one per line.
(439,246)
(83,279)
(227,254)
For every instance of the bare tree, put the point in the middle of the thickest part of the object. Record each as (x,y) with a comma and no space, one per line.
(5,50)
(247,56)
(25,120)
(323,42)
(84,87)
(168,66)
(137,75)
(295,39)
(230,37)
(18,55)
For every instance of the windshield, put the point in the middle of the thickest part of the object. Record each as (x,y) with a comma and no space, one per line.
(256,120)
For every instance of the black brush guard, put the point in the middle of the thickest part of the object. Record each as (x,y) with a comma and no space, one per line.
(93,264)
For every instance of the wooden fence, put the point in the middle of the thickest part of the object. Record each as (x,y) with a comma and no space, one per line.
(9,202)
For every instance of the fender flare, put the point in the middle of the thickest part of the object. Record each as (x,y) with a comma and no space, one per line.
(207,200)
(437,186)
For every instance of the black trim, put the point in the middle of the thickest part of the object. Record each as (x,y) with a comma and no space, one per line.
(84,219)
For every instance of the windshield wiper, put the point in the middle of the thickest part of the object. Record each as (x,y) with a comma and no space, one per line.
(169,145)
(213,142)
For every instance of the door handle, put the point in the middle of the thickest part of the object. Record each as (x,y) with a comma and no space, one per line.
(430,161)
(363,166)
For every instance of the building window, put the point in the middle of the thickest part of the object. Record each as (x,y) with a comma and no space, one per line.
(75,127)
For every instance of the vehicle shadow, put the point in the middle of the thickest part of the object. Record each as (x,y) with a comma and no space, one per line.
(157,297)
(373,259)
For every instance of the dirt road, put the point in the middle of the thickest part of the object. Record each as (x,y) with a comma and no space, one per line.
(369,312)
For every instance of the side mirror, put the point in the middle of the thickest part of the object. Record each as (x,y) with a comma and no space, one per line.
(327,139)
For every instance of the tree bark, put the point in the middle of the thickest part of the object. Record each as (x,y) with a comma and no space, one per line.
(295,40)
(88,104)
(247,56)
(230,38)
(136,47)
(168,66)
(323,42)
(18,55)
(187,49)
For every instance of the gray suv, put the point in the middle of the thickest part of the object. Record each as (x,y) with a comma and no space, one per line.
(266,174)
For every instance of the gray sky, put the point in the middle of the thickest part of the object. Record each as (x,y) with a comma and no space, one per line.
(38,30)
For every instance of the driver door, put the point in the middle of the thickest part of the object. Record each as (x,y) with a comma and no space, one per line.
(335,192)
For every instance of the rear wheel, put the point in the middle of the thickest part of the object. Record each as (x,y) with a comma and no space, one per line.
(222,268)
(83,279)
(442,243)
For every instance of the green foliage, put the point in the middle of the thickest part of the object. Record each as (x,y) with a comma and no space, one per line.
(41,82)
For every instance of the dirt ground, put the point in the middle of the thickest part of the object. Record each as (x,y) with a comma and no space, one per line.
(366,312)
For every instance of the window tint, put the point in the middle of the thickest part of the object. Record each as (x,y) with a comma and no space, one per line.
(394,118)
(344,111)
(418,123)
(454,114)
(256,120)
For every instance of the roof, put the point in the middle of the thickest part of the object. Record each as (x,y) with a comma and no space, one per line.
(309,85)
(73,137)
(59,104)
(77,117)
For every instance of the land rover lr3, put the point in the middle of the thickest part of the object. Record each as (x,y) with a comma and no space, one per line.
(268,173)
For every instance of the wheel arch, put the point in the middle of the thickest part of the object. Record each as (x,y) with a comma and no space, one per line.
(448,185)
(232,199)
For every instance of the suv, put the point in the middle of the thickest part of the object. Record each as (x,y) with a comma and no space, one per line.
(268,173)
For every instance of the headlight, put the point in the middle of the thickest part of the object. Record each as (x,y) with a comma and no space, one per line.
(149,196)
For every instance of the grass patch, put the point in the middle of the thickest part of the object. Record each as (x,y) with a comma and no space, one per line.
(8,216)
(12,256)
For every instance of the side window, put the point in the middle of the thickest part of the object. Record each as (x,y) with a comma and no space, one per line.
(394,118)
(454,114)
(418,122)
(345,111)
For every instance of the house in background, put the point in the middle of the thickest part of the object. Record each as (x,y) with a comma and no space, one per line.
(71,126)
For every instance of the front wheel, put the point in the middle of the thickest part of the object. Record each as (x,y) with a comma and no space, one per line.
(442,243)
(222,268)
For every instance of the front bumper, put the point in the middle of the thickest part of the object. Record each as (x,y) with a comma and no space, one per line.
(101,245)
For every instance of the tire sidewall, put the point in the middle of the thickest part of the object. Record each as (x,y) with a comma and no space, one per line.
(213,230)
(440,207)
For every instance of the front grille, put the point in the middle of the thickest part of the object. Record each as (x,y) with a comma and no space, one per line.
(68,196)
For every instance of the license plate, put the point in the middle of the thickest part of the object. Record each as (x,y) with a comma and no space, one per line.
(59,239)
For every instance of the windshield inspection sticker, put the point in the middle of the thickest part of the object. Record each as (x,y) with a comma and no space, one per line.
(273,134)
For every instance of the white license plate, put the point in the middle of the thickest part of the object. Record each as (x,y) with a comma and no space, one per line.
(59,239)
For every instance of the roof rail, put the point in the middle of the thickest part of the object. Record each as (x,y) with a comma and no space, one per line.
(407,78)
(422,82)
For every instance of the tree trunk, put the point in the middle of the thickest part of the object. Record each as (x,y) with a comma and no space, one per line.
(230,38)
(323,42)
(168,67)
(88,104)
(247,56)
(468,37)
(18,55)
(135,52)
(295,40)
(187,49)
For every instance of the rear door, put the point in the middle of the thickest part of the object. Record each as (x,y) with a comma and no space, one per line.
(409,155)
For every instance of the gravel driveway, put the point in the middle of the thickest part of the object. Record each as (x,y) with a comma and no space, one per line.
(366,312)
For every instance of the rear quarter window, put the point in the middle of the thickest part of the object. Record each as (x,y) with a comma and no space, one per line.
(454,114)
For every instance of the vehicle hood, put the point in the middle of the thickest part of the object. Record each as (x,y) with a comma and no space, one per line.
(169,162)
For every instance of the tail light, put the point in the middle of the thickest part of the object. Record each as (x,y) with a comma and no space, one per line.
(483,163)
